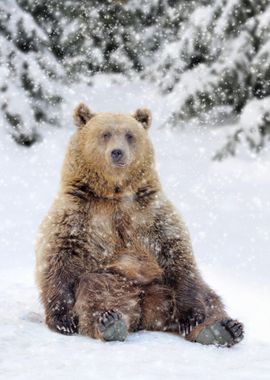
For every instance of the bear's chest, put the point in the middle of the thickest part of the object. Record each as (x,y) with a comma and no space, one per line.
(117,227)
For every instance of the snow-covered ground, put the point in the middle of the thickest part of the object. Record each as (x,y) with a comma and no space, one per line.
(227,208)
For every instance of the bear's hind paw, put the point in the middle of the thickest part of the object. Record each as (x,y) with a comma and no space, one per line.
(112,327)
(235,328)
(225,333)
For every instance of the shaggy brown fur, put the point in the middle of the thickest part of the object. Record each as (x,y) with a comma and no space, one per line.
(112,241)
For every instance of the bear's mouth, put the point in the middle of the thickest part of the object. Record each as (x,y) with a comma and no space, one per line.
(119,164)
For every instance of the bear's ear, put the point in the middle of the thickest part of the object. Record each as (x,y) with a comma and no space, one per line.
(143,116)
(82,115)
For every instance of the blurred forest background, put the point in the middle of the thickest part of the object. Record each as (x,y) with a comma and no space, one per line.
(211,59)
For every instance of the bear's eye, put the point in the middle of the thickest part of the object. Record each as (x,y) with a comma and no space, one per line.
(129,137)
(107,135)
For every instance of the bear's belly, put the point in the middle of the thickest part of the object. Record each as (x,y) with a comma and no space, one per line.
(112,234)
(102,242)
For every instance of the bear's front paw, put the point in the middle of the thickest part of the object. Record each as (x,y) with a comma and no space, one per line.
(190,319)
(66,324)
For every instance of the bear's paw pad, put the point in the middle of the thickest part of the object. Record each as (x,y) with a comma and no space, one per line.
(225,333)
(112,327)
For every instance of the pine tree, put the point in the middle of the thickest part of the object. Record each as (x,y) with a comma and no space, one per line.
(28,73)
(203,55)
(93,36)
(222,60)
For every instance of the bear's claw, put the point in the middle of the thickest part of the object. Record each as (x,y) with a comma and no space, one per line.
(192,319)
(66,324)
(235,328)
(112,327)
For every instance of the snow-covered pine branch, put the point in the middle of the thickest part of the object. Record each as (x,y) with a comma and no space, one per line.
(28,72)
(221,58)
(202,55)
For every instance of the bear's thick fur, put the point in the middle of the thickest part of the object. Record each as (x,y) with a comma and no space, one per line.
(112,246)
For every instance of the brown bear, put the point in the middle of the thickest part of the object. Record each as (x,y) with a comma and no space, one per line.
(113,254)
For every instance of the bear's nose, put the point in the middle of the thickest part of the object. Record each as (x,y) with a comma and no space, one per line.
(117,154)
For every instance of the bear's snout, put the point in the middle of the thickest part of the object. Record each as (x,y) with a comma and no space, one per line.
(117,155)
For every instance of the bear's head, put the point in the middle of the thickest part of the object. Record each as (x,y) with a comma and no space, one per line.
(110,152)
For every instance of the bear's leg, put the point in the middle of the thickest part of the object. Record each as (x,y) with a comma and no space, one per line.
(158,309)
(217,328)
(108,306)
(160,312)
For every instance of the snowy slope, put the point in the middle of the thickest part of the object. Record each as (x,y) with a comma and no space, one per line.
(227,208)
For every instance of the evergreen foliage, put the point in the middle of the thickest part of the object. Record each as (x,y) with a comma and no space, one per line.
(202,55)
(28,73)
